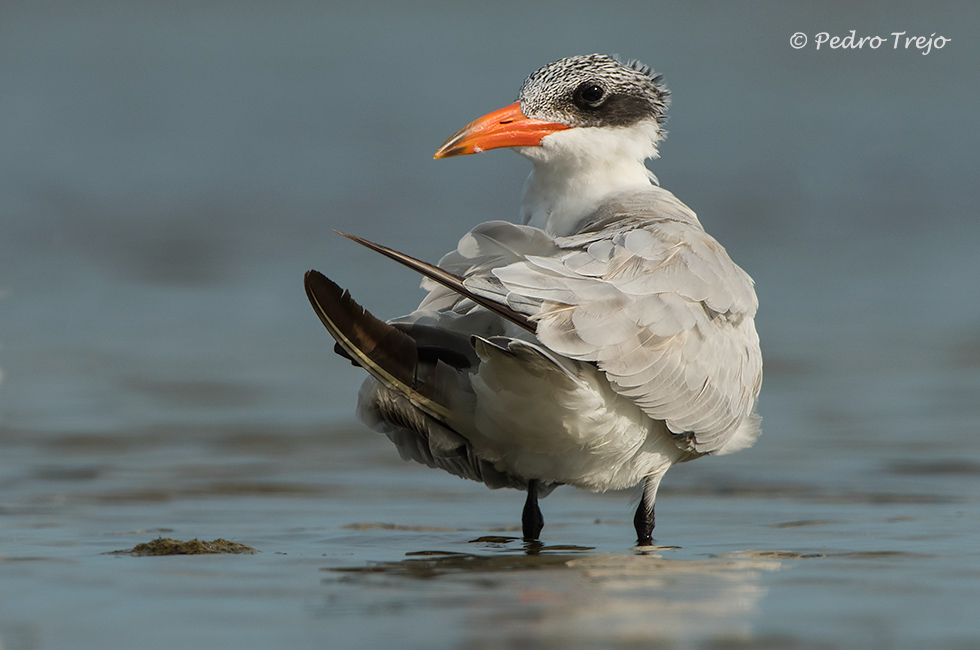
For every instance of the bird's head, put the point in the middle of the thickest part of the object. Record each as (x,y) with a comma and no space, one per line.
(576,107)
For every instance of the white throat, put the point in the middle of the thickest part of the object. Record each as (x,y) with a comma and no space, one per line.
(576,170)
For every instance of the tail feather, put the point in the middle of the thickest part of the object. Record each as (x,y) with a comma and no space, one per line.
(387,353)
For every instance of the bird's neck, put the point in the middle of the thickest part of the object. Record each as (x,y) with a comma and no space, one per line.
(579,171)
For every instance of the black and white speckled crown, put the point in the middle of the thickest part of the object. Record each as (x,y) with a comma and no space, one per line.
(595,90)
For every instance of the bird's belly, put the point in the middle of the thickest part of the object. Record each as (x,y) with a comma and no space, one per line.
(579,432)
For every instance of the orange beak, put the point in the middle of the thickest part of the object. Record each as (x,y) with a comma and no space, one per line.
(504,128)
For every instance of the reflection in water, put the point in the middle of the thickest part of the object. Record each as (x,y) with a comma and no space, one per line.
(640,597)
(572,598)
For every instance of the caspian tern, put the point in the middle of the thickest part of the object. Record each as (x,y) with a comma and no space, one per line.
(598,344)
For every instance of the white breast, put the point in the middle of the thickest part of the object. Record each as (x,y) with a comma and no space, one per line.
(576,170)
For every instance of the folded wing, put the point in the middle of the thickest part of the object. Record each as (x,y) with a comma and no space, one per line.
(643,292)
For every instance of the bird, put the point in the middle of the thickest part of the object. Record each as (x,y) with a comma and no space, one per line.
(597,342)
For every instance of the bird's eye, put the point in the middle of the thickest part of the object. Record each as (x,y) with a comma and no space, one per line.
(589,95)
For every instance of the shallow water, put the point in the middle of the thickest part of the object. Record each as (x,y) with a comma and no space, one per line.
(167,175)
(357,549)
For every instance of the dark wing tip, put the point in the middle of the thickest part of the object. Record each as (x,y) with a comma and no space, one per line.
(323,293)
(369,342)
(314,280)
(446,279)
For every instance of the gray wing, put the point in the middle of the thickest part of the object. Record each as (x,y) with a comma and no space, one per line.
(418,388)
(642,291)
(490,245)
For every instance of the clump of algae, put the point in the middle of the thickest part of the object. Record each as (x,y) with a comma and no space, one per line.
(167,546)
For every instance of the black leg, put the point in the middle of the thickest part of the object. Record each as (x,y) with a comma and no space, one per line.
(643,519)
(531,520)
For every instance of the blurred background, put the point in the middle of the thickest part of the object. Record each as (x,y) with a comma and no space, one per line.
(169,170)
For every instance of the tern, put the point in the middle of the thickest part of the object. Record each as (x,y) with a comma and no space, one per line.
(596,344)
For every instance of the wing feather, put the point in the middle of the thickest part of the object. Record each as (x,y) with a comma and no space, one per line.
(643,292)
